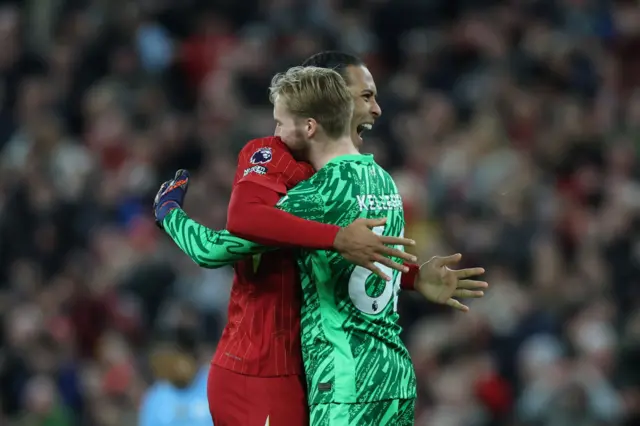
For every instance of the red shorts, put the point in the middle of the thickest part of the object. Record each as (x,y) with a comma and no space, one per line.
(239,400)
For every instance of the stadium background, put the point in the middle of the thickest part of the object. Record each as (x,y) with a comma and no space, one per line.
(512,128)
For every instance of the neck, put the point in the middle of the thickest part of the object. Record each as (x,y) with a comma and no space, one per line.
(323,152)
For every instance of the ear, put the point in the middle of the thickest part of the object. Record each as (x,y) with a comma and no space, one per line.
(311,127)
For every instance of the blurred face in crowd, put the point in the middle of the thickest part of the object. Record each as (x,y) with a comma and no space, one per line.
(40,394)
(366,108)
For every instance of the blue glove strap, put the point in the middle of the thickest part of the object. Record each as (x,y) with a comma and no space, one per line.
(164,209)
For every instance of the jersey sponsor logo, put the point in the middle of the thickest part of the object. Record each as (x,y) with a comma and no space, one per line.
(232,356)
(262,156)
(259,170)
(379,202)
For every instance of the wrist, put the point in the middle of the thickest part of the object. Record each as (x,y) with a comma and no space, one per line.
(409,279)
(171,212)
(165,209)
(425,280)
(334,234)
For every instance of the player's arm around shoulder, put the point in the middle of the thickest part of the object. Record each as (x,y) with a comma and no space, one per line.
(206,247)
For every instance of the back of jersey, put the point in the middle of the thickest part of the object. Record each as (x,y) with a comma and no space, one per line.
(350,337)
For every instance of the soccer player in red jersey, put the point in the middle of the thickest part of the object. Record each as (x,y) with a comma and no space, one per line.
(256,377)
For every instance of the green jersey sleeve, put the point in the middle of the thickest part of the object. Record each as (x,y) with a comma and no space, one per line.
(212,249)
(206,247)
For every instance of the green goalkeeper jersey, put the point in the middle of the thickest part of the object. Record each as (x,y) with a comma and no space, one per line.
(350,334)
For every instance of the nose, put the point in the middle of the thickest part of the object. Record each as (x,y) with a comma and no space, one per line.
(376,111)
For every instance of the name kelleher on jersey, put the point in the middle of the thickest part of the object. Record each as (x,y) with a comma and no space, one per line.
(377,202)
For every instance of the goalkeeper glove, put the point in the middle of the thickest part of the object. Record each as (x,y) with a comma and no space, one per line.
(170,196)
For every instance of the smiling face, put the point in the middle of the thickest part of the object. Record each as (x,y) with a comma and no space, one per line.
(366,108)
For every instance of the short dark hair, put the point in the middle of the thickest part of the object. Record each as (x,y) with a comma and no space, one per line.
(334,59)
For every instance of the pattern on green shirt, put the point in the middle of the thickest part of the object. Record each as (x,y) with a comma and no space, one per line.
(351,346)
(206,247)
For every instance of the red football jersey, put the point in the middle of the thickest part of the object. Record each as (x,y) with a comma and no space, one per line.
(262,336)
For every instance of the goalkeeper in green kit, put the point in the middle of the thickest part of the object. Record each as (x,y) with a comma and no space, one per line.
(358,370)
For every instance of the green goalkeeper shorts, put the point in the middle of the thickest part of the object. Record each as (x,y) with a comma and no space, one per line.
(392,412)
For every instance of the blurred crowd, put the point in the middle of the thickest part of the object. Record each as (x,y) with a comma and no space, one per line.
(512,128)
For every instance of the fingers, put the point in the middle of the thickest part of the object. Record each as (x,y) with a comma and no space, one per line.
(448,260)
(453,303)
(181,179)
(181,174)
(161,191)
(164,187)
(468,289)
(394,252)
(390,263)
(373,268)
(468,294)
(472,284)
(372,223)
(470,272)
(397,241)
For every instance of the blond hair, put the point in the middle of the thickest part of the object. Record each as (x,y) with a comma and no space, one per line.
(318,93)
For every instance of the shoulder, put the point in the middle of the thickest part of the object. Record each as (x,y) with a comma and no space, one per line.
(269,150)
(270,156)
(261,150)
(157,393)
